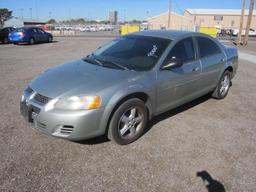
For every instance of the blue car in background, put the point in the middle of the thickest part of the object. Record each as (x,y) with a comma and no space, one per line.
(30,35)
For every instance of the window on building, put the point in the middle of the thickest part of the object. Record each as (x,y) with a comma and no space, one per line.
(218,18)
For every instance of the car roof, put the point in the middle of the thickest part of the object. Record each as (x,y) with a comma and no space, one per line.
(28,27)
(167,34)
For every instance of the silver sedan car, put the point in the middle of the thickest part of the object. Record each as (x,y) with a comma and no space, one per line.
(118,88)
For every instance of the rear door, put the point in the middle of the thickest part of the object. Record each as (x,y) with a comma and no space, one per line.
(35,34)
(43,35)
(181,84)
(213,60)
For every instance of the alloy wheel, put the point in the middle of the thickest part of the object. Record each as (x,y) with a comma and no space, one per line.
(225,84)
(130,123)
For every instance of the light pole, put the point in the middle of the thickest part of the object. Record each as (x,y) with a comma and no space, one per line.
(36,9)
(124,15)
(21,13)
(30,9)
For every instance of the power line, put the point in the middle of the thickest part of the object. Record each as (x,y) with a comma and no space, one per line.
(180,8)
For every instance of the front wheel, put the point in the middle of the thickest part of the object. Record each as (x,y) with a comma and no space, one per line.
(223,86)
(49,39)
(128,122)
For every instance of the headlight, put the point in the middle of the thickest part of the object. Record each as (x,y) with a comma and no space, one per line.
(75,103)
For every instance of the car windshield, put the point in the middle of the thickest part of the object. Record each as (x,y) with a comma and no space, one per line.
(134,52)
(20,30)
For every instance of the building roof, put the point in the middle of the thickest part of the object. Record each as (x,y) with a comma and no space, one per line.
(18,22)
(167,34)
(218,11)
(165,13)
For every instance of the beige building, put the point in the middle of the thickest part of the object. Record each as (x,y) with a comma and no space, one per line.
(177,21)
(222,18)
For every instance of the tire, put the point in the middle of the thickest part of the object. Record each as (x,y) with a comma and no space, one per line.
(31,41)
(128,122)
(50,39)
(223,86)
(5,41)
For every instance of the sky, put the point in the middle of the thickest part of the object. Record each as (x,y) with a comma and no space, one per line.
(98,9)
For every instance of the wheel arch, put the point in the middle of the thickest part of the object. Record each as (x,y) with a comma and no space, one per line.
(230,69)
(139,95)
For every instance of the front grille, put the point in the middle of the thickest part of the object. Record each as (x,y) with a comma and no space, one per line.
(42,99)
(66,129)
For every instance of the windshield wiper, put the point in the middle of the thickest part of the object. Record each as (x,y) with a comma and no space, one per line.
(114,64)
(93,61)
(92,58)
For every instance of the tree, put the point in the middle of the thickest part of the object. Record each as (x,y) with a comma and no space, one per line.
(5,14)
(134,21)
(51,21)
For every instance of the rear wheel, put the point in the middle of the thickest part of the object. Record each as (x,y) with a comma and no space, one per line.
(32,41)
(128,122)
(223,86)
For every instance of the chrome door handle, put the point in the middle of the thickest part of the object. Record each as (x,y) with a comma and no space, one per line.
(195,69)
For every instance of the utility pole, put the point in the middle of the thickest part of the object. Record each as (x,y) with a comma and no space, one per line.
(238,40)
(248,24)
(169,14)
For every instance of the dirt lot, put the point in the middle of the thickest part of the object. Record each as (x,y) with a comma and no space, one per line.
(216,136)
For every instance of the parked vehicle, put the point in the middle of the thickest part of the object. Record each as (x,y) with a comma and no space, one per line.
(252,32)
(4,34)
(85,29)
(93,29)
(118,88)
(30,35)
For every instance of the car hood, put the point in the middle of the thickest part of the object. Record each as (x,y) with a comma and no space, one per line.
(77,78)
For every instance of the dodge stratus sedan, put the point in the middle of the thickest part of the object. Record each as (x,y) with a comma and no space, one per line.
(119,87)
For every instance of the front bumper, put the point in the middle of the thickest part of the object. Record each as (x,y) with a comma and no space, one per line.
(72,125)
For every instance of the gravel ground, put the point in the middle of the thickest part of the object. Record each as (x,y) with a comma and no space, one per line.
(216,136)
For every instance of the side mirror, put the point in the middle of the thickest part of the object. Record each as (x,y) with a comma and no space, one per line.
(172,63)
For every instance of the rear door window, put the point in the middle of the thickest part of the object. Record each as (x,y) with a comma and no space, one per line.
(207,47)
(40,31)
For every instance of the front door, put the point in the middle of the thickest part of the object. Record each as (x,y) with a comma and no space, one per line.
(180,84)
